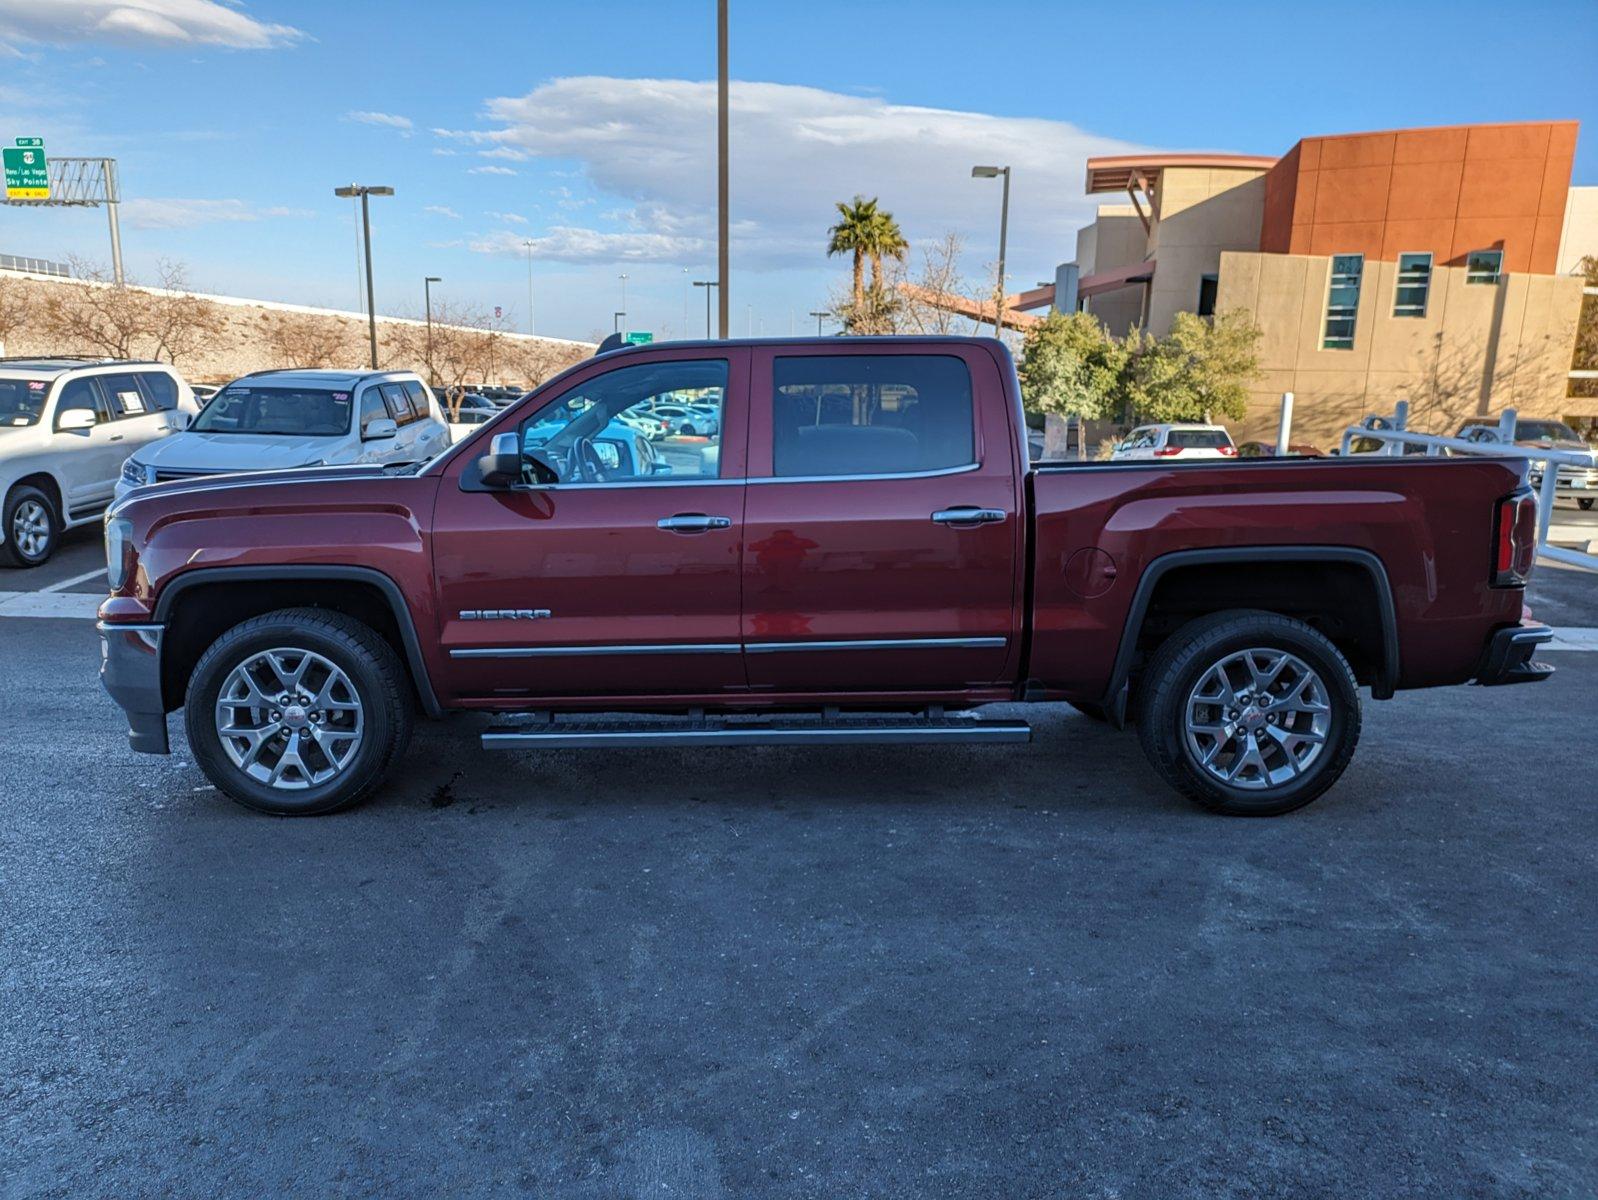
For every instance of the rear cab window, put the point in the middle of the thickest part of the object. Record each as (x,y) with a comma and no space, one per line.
(1198,439)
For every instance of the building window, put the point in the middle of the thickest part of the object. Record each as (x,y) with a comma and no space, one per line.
(1342,301)
(1414,284)
(1484,266)
(1207,286)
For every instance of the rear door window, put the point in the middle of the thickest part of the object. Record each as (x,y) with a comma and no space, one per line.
(418,397)
(856,414)
(160,390)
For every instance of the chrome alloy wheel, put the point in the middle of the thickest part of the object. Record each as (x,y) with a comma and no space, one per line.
(289,718)
(30,528)
(1257,719)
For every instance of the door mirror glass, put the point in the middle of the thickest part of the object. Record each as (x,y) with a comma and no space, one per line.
(379,430)
(501,467)
(177,420)
(77,418)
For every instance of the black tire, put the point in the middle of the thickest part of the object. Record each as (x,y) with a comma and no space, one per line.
(1585,502)
(373,670)
(689,431)
(12,554)
(1177,669)
(1094,712)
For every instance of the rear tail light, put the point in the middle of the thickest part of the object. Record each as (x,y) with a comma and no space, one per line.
(1227,451)
(1168,452)
(1515,539)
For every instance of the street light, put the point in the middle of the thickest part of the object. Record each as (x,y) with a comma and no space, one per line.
(623,279)
(707,284)
(366,236)
(1004,229)
(820,315)
(527,244)
(427,292)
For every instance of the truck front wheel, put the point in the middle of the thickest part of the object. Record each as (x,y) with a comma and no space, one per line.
(1249,713)
(298,712)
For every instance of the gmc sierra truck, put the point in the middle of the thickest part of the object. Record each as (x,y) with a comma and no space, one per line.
(860,553)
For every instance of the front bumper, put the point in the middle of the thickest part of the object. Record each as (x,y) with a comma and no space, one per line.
(130,669)
(1508,657)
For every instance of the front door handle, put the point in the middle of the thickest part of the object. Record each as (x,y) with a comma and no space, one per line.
(693,523)
(967,514)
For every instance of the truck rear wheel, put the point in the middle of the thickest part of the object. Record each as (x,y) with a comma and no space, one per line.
(298,712)
(1249,713)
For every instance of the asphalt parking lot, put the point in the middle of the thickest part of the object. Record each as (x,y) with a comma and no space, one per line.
(853,972)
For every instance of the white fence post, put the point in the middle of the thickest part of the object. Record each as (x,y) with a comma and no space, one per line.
(1284,425)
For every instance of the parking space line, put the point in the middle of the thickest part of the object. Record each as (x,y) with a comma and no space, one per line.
(74,581)
(49,604)
(1570,638)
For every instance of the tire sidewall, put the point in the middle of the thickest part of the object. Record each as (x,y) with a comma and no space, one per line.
(200,716)
(14,501)
(1170,728)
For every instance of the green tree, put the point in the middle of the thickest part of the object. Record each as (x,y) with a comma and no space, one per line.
(886,240)
(868,233)
(856,234)
(1200,370)
(1072,366)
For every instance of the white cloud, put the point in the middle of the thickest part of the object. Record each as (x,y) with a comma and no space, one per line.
(442,210)
(175,213)
(795,152)
(138,22)
(489,171)
(388,120)
(508,218)
(562,243)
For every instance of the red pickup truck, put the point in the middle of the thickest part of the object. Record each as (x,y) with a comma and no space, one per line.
(859,552)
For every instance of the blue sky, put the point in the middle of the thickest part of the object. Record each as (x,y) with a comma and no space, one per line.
(589,129)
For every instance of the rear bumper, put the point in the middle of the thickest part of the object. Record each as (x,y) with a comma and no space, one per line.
(130,670)
(1508,657)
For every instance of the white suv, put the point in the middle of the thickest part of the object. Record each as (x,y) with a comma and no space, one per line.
(277,420)
(1175,443)
(66,425)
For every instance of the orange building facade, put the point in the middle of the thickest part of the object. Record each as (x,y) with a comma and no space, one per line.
(1445,191)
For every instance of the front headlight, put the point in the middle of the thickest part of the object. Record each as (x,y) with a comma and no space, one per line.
(133,474)
(118,551)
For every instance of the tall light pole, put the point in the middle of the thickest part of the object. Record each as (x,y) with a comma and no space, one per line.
(820,315)
(366,235)
(685,290)
(527,244)
(707,284)
(427,292)
(623,278)
(722,253)
(616,321)
(1004,229)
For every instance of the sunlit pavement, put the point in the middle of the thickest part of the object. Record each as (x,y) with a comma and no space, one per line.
(869,971)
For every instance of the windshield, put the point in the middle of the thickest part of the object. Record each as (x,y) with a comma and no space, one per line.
(243,408)
(1544,431)
(1198,439)
(22,400)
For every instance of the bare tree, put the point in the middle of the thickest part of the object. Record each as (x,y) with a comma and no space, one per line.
(463,348)
(13,309)
(305,340)
(128,321)
(939,275)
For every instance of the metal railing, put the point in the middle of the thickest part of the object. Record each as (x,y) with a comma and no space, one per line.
(34,266)
(1390,431)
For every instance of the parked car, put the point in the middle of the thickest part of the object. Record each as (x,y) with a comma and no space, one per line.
(873,574)
(278,420)
(684,421)
(471,412)
(66,424)
(650,426)
(203,392)
(1175,443)
(1268,450)
(1577,483)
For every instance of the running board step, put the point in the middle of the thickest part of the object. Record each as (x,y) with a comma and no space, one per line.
(869,731)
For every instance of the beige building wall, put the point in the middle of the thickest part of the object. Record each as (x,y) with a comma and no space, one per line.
(1580,236)
(1478,349)
(1201,212)
(1115,239)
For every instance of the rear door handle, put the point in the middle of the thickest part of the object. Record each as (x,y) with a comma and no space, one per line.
(693,523)
(967,514)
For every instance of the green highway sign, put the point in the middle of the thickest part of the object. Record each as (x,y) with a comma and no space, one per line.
(640,337)
(26,175)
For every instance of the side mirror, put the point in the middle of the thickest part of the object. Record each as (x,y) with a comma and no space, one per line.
(177,420)
(501,467)
(379,430)
(78,418)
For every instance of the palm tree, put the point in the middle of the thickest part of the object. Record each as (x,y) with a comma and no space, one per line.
(887,241)
(856,233)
